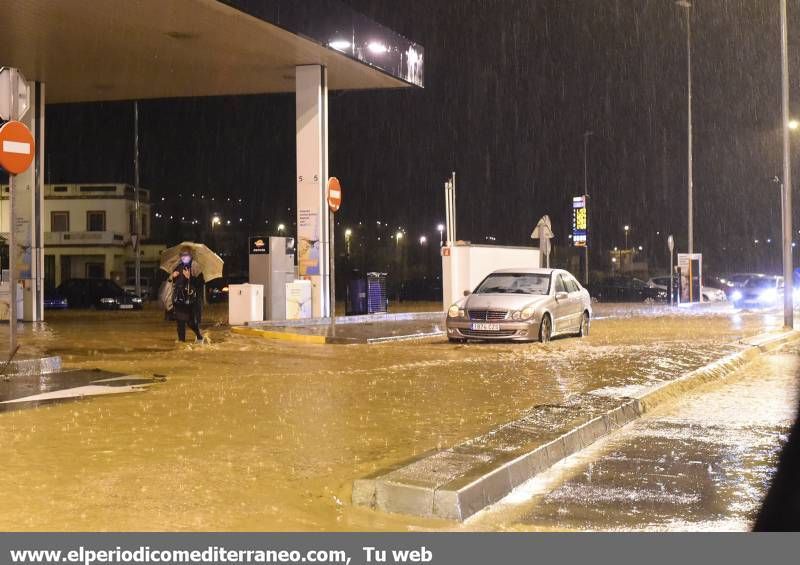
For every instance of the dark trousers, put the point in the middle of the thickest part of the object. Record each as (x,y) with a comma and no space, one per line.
(193,325)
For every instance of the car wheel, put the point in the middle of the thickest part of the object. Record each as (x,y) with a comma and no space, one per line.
(584,329)
(546,329)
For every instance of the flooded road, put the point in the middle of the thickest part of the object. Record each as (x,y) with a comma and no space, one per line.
(250,434)
(701,464)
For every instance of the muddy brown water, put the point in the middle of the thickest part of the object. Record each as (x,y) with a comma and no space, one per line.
(249,434)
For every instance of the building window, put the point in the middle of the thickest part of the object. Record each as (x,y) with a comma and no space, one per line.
(96,221)
(59,221)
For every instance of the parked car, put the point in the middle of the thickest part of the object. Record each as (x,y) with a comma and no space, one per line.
(627,289)
(521,305)
(217,290)
(53,300)
(759,292)
(103,294)
(147,289)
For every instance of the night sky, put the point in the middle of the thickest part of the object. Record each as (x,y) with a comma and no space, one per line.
(511,86)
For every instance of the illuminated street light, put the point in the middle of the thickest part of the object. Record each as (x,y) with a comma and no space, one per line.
(627,229)
(440,229)
(281,228)
(398,236)
(348,232)
(215,221)
(794,124)
(423,240)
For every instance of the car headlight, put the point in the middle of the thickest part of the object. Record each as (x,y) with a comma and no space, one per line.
(768,295)
(516,315)
(527,313)
(736,295)
(108,301)
(454,311)
(136,300)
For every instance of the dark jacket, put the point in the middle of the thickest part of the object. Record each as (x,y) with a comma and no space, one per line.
(187,294)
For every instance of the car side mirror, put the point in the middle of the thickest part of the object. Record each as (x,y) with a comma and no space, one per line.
(562,295)
(467,293)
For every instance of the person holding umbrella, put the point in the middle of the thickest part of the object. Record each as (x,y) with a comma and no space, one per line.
(189,265)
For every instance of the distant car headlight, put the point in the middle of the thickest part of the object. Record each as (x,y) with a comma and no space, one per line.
(136,300)
(108,301)
(736,295)
(527,313)
(454,311)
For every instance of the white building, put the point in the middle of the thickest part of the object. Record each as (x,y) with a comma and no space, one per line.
(88,229)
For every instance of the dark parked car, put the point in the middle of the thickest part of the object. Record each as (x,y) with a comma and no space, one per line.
(103,294)
(626,289)
(53,300)
(217,290)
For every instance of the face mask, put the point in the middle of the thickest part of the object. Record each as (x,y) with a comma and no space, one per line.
(186,259)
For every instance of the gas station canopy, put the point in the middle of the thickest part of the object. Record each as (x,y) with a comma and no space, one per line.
(99,50)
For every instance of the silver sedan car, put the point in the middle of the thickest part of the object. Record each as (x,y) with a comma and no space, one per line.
(521,305)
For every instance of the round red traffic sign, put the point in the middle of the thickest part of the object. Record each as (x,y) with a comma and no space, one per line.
(17,147)
(334,194)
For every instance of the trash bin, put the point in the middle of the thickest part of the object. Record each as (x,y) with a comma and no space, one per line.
(377,301)
(356,298)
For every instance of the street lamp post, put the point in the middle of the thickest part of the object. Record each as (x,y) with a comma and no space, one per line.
(690,173)
(440,229)
(786,211)
(627,229)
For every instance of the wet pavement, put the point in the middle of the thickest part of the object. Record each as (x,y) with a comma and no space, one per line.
(702,463)
(251,434)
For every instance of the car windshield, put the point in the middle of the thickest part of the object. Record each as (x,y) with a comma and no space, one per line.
(760,283)
(740,278)
(515,283)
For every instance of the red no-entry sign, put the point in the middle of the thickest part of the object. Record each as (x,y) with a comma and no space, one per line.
(17,147)
(334,194)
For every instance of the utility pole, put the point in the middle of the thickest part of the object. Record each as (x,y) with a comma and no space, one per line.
(690,170)
(586,137)
(137,223)
(786,193)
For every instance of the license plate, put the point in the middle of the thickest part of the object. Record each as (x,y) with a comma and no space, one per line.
(126,306)
(486,327)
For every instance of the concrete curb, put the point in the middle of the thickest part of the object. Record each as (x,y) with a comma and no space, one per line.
(458,482)
(40,366)
(280,336)
(344,320)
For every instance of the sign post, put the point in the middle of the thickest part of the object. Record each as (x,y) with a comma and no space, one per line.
(580,230)
(17,149)
(671,246)
(334,203)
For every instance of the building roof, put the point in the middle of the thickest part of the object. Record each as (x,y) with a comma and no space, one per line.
(100,50)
